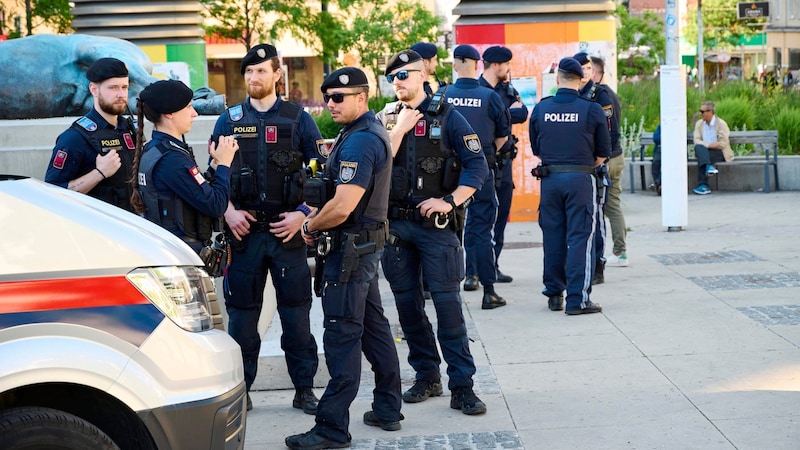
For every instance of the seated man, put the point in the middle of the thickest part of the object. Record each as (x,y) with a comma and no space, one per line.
(711,145)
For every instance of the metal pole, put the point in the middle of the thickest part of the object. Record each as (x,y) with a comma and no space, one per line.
(700,47)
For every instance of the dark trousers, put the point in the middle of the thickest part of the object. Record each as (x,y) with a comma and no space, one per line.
(505,194)
(244,285)
(355,323)
(706,156)
(438,255)
(567,215)
(655,168)
(478,235)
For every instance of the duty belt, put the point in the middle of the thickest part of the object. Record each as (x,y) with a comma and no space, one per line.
(563,168)
(412,214)
(333,239)
(263,219)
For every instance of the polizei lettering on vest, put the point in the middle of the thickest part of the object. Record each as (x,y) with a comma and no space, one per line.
(109,142)
(472,102)
(560,117)
(246,129)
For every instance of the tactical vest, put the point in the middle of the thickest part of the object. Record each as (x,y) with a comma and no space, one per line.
(566,141)
(423,167)
(372,205)
(267,171)
(473,104)
(115,189)
(168,210)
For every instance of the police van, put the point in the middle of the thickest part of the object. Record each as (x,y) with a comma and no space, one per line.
(106,336)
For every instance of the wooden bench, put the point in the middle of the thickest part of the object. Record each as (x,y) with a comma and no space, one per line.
(765,142)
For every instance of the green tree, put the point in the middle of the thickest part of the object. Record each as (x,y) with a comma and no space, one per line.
(721,28)
(55,13)
(246,20)
(381,30)
(641,39)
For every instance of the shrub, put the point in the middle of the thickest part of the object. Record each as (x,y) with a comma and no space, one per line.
(737,112)
(326,125)
(787,122)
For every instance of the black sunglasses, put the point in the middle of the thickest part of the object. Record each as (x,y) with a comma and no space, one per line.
(338,97)
(704,110)
(401,75)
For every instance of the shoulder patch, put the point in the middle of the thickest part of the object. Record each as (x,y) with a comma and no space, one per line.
(60,159)
(608,110)
(473,143)
(322,148)
(236,113)
(347,171)
(198,177)
(87,123)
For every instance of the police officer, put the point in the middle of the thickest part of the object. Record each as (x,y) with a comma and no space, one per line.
(95,154)
(616,165)
(599,94)
(170,189)
(570,135)
(430,59)
(438,165)
(353,222)
(264,218)
(487,115)
(497,76)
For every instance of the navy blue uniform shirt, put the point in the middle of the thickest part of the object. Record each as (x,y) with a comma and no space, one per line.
(482,108)
(508,95)
(600,94)
(568,129)
(178,173)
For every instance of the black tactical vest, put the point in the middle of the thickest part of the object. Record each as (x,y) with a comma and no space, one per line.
(267,171)
(115,189)
(168,210)
(373,205)
(421,164)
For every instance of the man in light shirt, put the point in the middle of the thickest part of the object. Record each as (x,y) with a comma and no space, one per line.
(711,146)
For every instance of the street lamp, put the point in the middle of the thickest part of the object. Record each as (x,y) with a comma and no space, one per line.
(700,47)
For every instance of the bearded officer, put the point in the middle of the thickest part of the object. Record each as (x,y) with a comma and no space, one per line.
(94,155)
(487,115)
(438,164)
(497,76)
(570,135)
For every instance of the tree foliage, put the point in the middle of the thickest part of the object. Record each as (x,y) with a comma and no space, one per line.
(54,13)
(244,20)
(721,28)
(641,39)
(382,29)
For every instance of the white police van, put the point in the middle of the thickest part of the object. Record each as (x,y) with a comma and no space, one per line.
(106,337)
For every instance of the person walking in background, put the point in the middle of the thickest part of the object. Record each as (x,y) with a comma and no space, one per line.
(570,135)
(424,226)
(616,165)
(94,155)
(487,115)
(497,76)
(711,145)
(655,168)
(170,190)
(353,216)
(263,221)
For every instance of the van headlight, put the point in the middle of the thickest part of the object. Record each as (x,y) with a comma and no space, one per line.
(178,292)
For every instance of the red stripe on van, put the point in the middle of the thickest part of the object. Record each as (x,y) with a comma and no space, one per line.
(68,293)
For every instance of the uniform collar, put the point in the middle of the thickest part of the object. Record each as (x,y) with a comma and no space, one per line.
(367,116)
(161,136)
(274,107)
(567,91)
(467,82)
(101,121)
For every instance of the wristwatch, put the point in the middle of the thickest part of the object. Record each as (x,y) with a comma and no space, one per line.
(314,234)
(449,199)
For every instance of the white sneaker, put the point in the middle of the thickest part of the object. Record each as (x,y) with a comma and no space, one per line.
(617,261)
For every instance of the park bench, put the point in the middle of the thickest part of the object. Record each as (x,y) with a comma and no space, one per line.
(765,153)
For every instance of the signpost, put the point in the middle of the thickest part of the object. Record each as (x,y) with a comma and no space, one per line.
(753,10)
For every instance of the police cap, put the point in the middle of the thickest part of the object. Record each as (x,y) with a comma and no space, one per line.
(570,65)
(582,58)
(166,96)
(401,59)
(425,49)
(258,54)
(466,51)
(497,54)
(105,68)
(345,77)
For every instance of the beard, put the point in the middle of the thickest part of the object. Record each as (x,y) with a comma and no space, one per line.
(259,92)
(113,107)
(406,95)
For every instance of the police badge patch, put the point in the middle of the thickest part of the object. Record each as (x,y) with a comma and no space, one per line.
(344,79)
(473,143)
(198,177)
(322,148)
(87,123)
(347,171)
(60,159)
(236,113)
(608,110)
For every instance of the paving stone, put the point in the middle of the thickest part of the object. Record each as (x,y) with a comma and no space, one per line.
(673,259)
(509,440)
(747,281)
(773,315)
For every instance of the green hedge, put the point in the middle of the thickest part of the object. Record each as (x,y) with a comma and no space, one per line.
(743,105)
(330,129)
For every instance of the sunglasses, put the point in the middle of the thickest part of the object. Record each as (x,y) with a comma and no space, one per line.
(704,110)
(401,75)
(337,98)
